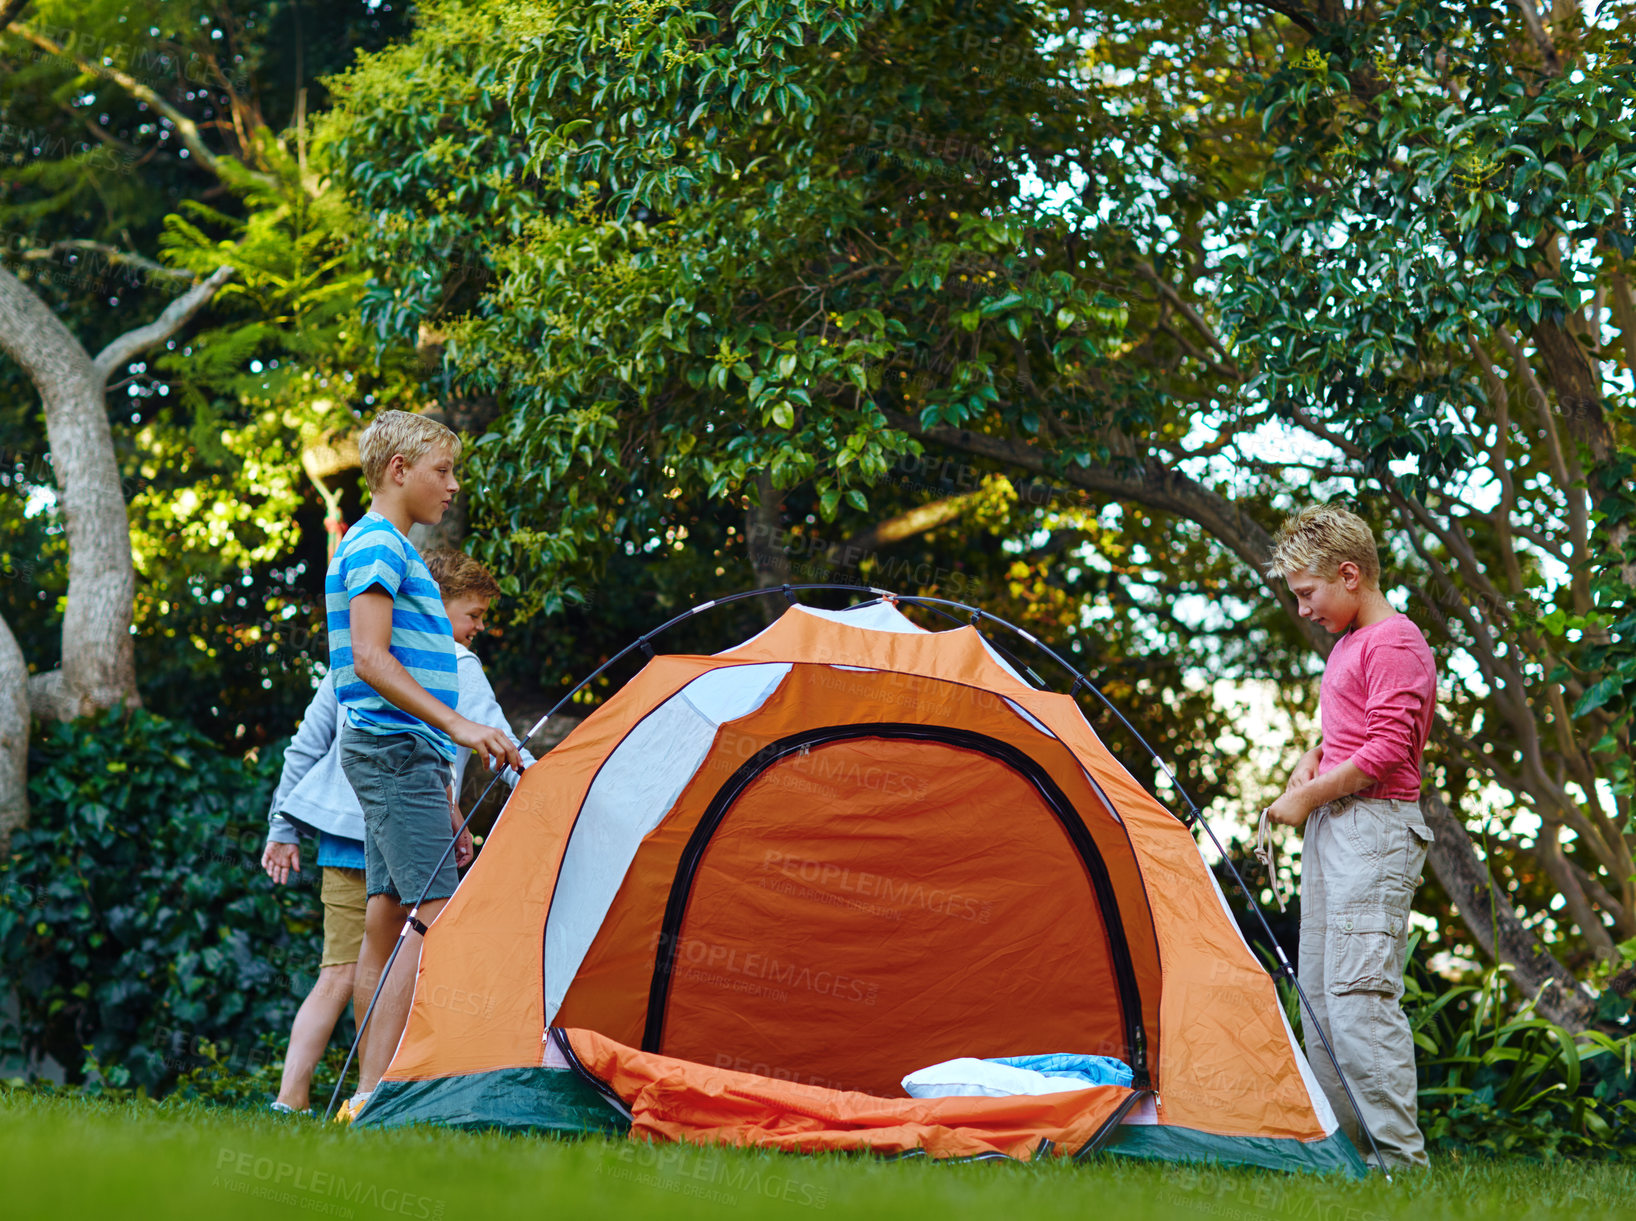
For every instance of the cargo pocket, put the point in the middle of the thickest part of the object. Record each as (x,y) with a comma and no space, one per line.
(1365,952)
(1420,841)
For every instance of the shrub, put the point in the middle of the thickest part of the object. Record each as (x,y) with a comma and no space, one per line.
(135,922)
(1496,1078)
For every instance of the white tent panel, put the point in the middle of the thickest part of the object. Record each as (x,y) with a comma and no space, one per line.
(631,794)
(1001,662)
(875,616)
(1029,717)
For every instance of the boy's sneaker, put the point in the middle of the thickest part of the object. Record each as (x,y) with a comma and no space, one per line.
(349,1109)
(284,1108)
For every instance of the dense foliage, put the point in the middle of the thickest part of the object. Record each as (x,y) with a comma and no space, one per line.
(142,142)
(135,922)
(1495,1078)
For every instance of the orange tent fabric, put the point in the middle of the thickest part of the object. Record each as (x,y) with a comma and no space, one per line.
(843,850)
(881,945)
(678,1100)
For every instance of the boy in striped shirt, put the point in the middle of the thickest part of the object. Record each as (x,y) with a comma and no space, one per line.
(392,652)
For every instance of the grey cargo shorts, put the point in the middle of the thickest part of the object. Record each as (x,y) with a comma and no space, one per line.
(401,780)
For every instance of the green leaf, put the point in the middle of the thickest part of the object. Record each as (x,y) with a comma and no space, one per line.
(1598,694)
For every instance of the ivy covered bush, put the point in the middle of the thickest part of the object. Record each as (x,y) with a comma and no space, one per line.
(136,926)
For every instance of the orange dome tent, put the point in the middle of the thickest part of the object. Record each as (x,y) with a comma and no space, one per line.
(755,889)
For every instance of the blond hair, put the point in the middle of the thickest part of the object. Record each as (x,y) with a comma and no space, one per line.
(1319,539)
(458,575)
(401,432)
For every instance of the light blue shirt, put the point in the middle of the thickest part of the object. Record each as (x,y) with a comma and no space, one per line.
(339,852)
(376,554)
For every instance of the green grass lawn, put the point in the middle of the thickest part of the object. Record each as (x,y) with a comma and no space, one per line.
(67,1158)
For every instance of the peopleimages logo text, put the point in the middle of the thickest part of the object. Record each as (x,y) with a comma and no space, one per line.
(696,958)
(890,893)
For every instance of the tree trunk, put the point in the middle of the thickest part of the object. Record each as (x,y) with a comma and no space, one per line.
(14,723)
(764,537)
(98,661)
(98,658)
(1493,922)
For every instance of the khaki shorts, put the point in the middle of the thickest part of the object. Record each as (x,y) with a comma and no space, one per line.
(343,893)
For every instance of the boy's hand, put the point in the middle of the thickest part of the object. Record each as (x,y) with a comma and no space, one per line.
(279,859)
(463,849)
(1289,810)
(1306,771)
(486,742)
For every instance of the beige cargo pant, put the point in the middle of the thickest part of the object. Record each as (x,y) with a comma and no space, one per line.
(1360,863)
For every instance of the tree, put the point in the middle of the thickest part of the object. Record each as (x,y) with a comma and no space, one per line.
(735,253)
(98,669)
(118,113)
(1431,272)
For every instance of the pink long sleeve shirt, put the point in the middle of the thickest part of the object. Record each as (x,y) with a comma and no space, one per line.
(1376,702)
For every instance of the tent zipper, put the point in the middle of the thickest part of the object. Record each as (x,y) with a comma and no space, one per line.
(1110,1125)
(1067,816)
(560,1037)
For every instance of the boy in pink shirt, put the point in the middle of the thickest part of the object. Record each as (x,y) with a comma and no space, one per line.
(1358,794)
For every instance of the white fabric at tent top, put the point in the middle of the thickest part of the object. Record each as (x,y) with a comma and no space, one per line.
(633,791)
(881,617)
(877,617)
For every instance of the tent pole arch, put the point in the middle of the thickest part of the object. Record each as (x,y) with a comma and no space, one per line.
(1195,816)
(937,605)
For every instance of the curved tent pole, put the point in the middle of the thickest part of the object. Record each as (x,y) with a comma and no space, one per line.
(936,605)
(1194,816)
(412,921)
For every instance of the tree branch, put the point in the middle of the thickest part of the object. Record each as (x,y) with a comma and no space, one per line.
(177,315)
(1150,484)
(186,128)
(1493,922)
(1602,898)
(1624,313)
(1543,42)
(1578,520)
(112,253)
(1187,311)
(1548,852)
(1318,430)
(1296,14)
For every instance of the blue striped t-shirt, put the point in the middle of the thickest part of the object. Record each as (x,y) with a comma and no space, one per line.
(375,553)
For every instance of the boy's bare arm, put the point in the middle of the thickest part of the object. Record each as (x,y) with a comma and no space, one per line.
(372,660)
(1299,801)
